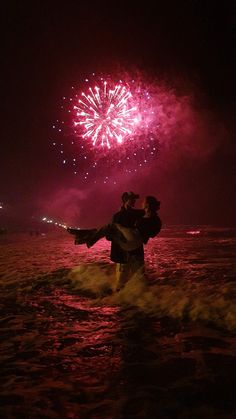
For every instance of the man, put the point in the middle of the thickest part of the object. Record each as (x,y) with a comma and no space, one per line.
(127,262)
(135,226)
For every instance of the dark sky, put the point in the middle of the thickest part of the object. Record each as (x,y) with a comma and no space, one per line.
(47,46)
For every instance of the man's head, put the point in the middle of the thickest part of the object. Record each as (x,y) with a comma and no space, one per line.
(129,199)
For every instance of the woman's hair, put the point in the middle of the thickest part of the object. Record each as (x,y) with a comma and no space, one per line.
(153,203)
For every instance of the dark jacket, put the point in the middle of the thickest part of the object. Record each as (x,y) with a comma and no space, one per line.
(149,227)
(127,218)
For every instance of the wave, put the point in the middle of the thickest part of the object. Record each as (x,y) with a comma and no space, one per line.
(211,304)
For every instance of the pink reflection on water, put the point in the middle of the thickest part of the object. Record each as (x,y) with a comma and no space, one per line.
(78,338)
(81,303)
(194,232)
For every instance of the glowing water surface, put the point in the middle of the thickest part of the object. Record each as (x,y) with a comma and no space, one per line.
(161,348)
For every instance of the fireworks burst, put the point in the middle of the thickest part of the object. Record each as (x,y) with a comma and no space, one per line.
(107,128)
(106,114)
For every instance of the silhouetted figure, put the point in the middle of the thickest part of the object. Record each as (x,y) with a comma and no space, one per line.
(128,261)
(129,230)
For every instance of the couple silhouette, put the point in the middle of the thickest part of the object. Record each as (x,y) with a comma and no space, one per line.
(129,230)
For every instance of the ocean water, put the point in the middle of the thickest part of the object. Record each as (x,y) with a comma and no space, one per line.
(165,346)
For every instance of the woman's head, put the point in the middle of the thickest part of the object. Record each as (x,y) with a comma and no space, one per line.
(151,204)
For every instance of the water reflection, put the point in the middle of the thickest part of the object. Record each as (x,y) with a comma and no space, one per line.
(71,350)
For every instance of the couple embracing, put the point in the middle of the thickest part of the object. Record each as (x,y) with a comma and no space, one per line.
(129,230)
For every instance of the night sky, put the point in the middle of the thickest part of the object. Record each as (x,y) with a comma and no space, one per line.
(188,45)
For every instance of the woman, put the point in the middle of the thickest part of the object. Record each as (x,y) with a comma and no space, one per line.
(128,238)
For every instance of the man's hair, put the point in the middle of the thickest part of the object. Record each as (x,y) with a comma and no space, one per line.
(154,204)
(129,195)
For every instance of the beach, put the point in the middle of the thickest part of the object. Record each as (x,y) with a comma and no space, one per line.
(164,346)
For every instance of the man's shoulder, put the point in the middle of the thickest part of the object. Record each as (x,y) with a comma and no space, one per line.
(124,210)
(137,213)
(129,211)
(117,215)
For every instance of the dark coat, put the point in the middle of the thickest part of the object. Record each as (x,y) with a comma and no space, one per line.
(127,218)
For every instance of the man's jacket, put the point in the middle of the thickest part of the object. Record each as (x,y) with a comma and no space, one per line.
(127,218)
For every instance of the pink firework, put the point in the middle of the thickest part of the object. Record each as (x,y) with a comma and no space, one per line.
(108,123)
(106,114)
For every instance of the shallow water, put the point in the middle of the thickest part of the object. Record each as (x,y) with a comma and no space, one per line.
(164,347)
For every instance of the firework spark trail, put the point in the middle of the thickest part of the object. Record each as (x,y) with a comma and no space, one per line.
(106,115)
(111,127)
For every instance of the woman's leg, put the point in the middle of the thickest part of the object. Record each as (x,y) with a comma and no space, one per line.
(128,238)
(121,235)
(90,237)
(98,234)
(82,236)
